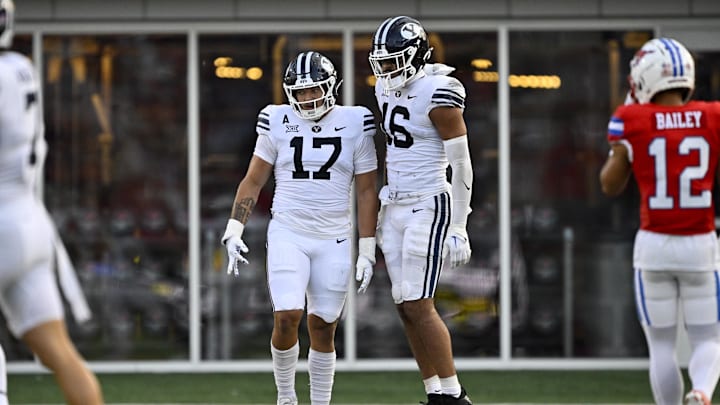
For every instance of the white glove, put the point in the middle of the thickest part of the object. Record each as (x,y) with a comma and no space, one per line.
(457,246)
(232,239)
(365,262)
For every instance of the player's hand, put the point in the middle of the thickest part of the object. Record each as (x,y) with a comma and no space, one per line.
(365,262)
(363,273)
(235,246)
(457,246)
(232,239)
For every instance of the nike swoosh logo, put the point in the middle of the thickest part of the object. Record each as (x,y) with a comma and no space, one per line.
(414,210)
(411,97)
(340,240)
(466,186)
(339,128)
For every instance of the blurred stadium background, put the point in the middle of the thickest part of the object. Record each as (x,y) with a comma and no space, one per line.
(150,109)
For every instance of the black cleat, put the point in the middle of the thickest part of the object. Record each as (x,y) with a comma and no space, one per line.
(463,399)
(433,399)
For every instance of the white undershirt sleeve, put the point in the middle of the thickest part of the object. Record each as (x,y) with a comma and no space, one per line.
(458,155)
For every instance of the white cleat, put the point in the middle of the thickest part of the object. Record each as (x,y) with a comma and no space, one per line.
(696,397)
(287,401)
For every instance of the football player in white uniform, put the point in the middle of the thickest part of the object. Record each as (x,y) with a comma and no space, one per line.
(29,295)
(315,149)
(423,219)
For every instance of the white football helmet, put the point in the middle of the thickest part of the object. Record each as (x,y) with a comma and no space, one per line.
(307,70)
(402,42)
(661,64)
(7,20)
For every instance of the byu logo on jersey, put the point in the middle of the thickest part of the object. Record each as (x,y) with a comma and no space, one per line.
(316,129)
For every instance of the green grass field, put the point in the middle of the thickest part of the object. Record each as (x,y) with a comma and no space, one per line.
(484,387)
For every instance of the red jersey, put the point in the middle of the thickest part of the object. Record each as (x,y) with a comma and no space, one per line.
(674,153)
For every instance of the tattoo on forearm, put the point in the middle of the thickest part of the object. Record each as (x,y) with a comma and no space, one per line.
(242,209)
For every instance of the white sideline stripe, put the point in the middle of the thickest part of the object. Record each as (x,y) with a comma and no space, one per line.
(479,403)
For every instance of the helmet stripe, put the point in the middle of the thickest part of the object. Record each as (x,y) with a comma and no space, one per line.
(379,33)
(308,59)
(298,65)
(679,56)
(674,55)
(381,36)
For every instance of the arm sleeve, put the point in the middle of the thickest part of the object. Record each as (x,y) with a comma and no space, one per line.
(264,147)
(617,131)
(265,150)
(448,93)
(365,158)
(458,155)
(263,121)
(368,123)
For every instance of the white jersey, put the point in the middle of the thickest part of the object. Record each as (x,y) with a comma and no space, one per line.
(22,214)
(314,165)
(30,244)
(416,163)
(22,145)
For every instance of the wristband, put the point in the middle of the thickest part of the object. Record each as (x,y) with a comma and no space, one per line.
(233,228)
(366,247)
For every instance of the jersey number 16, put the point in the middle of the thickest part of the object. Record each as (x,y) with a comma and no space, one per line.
(397,134)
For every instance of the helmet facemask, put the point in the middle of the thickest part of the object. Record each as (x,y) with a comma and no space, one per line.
(400,50)
(319,106)
(401,60)
(310,70)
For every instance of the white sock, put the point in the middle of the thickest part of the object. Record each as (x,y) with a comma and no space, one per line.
(450,386)
(284,365)
(704,367)
(665,377)
(321,367)
(3,378)
(432,385)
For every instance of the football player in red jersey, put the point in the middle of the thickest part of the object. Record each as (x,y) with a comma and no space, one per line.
(672,146)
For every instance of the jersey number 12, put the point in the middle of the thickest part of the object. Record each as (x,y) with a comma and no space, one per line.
(661,199)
